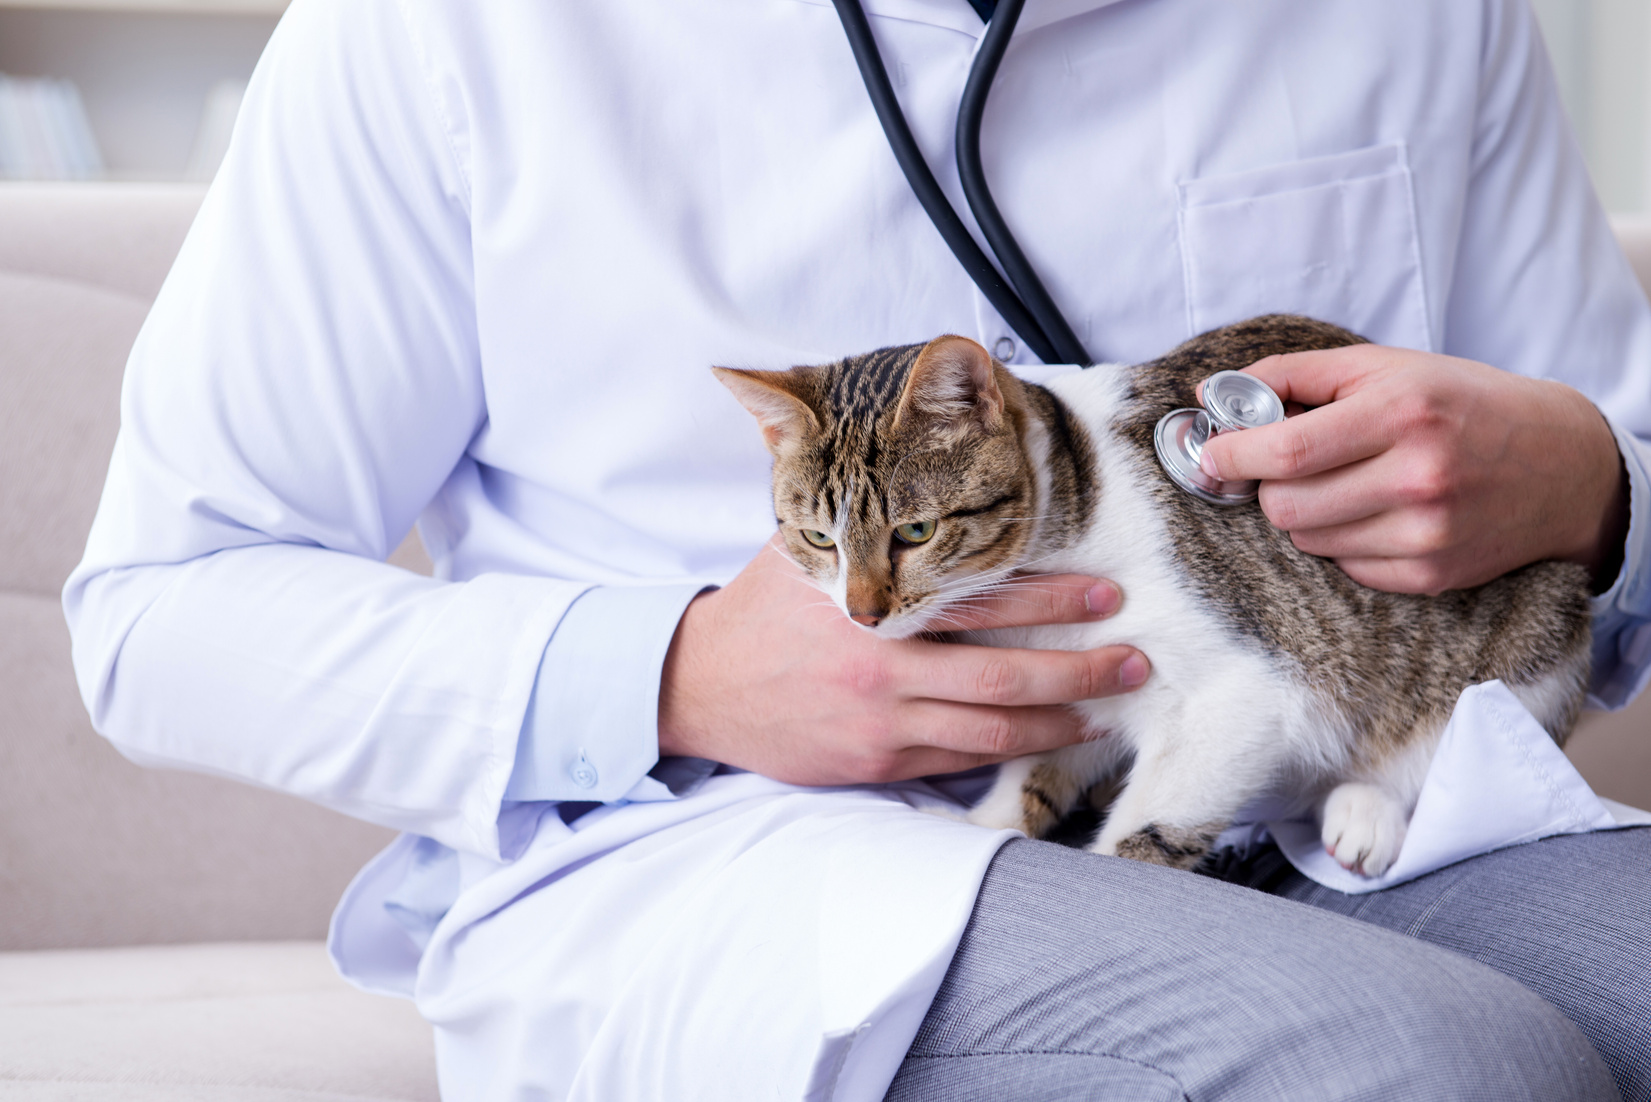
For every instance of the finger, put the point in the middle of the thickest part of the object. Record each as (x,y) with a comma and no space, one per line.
(1047,599)
(927,761)
(1396,534)
(1386,536)
(1009,677)
(1411,575)
(935,736)
(988,734)
(1318,440)
(1291,408)
(1320,377)
(1341,496)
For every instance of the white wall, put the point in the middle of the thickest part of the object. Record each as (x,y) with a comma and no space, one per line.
(1601,51)
(145,79)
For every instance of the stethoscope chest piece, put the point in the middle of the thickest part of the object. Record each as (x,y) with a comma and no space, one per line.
(1232,401)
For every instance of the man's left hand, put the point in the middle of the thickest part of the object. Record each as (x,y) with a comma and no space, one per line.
(1419,473)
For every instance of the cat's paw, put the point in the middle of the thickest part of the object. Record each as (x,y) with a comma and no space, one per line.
(1364,828)
(1157,844)
(1000,810)
(1030,795)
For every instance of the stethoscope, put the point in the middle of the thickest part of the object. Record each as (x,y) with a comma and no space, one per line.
(1232,400)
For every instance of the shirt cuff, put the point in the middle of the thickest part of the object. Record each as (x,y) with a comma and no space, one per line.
(1622,614)
(591,730)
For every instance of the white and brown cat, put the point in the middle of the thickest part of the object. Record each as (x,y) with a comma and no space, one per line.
(911,478)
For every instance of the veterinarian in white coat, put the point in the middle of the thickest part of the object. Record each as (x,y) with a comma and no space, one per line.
(467,265)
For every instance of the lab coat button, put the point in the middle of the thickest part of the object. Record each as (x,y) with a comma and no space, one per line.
(1004,349)
(583,772)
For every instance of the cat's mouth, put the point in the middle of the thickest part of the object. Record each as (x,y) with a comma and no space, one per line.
(901,623)
(916,616)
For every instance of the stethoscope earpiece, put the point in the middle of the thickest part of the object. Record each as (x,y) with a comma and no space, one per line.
(1232,401)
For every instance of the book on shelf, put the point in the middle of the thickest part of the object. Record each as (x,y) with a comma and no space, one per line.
(44,132)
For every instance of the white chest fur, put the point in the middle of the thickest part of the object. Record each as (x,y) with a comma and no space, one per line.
(1219,721)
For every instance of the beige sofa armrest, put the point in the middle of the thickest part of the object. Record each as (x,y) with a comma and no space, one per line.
(94,850)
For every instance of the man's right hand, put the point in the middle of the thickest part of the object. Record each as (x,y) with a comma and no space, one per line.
(767,674)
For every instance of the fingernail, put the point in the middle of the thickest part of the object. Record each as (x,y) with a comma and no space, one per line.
(1103,599)
(1134,671)
(1207,464)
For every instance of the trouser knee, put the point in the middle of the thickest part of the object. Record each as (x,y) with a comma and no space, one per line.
(1496,1041)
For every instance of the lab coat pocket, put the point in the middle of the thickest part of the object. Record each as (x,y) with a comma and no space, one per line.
(1332,237)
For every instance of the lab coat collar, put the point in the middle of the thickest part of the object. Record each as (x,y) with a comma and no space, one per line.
(957,15)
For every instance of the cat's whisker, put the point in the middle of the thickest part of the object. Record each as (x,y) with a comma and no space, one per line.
(1312,678)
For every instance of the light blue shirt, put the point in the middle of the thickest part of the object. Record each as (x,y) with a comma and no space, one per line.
(594,713)
(1622,614)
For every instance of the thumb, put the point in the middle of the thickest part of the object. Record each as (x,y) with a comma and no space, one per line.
(1320,377)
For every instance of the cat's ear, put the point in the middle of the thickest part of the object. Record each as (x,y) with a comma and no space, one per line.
(775,400)
(952,382)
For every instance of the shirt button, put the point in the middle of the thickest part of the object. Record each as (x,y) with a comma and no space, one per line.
(583,772)
(1004,349)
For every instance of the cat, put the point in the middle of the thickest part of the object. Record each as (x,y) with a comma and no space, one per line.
(910,479)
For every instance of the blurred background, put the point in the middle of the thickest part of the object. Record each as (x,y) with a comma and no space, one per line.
(140,96)
(124,89)
(1599,50)
(147,89)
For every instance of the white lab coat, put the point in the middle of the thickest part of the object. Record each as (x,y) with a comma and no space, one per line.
(468,264)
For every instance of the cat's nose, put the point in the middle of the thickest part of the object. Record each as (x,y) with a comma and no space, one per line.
(866,619)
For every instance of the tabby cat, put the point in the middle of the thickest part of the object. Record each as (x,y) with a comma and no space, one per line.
(912,478)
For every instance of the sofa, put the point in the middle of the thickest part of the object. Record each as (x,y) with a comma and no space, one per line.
(160,933)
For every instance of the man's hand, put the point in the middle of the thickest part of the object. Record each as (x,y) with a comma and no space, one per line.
(768,675)
(1420,473)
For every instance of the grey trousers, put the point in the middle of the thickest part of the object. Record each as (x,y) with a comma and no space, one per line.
(1086,978)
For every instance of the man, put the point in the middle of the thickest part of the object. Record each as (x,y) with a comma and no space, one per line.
(470,263)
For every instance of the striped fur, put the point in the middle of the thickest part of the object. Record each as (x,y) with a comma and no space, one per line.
(937,432)
(1272,671)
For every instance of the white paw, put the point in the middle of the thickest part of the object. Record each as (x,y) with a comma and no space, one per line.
(1364,827)
(997,814)
(1107,847)
(1001,808)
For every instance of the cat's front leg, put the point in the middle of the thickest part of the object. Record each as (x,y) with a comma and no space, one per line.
(1186,785)
(1364,819)
(1364,827)
(1034,793)
(1159,841)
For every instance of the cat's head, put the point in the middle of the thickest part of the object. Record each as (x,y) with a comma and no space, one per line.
(901,481)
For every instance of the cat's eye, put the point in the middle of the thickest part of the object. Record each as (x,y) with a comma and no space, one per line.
(921,532)
(818,539)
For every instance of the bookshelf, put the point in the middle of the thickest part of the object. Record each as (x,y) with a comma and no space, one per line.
(163,7)
(145,68)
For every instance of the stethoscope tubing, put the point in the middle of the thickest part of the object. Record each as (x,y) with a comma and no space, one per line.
(1021,299)
(971,110)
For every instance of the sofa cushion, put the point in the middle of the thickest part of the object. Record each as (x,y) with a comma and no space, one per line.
(121,237)
(1634,235)
(79,266)
(258,1022)
(60,369)
(96,851)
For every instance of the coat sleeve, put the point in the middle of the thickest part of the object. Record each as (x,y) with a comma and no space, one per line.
(307,382)
(1539,285)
